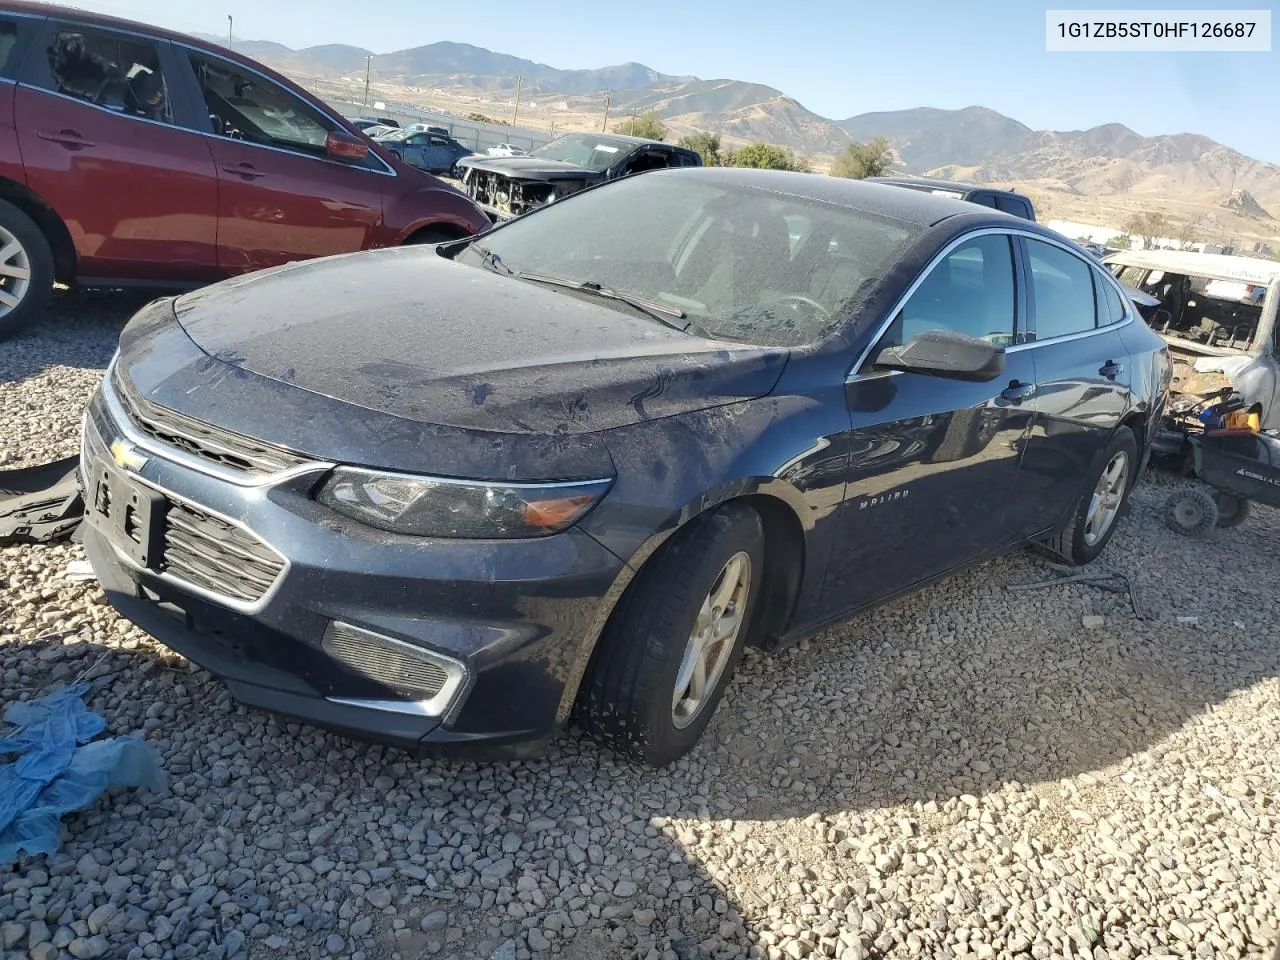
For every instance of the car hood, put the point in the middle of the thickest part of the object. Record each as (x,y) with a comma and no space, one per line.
(411,334)
(533,168)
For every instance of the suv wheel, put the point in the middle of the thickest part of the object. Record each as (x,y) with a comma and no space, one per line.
(665,658)
(26,270)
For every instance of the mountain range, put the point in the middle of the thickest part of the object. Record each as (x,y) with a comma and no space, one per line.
(973,143)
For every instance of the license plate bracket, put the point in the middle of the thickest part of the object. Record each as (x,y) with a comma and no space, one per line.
(128,514)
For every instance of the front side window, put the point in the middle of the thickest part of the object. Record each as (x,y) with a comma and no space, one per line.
(117,72)
(1062,291)
(727,256)
(245,106)
(970,291)
(9,48)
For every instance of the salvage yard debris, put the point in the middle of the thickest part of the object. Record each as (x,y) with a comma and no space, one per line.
(1109,580)
(61,768)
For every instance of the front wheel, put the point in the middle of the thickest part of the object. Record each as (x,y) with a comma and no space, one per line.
(1191,512)
(664,660)
(1094,515)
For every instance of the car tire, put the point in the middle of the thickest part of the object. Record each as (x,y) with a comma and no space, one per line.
(629,698)
(1192,513)
(26,271)
(1232,510)
(1090,525)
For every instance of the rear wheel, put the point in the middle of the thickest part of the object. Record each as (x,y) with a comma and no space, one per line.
(1093,519)
(1232,510)
(1192,512)
(26,271)
(665,658)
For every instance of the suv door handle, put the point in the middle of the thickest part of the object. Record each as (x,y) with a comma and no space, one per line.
(243,170)
(68,138)
(1111,369)
(1017,392)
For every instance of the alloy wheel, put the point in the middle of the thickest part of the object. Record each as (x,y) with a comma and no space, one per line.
(15,272)
(1107,497)
(712,641)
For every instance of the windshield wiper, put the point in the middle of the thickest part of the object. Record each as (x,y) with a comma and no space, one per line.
(664,314)
(492,260)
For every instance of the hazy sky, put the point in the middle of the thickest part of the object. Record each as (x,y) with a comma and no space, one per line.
(837,57)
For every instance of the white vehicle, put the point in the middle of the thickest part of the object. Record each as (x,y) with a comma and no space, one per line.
(505,150)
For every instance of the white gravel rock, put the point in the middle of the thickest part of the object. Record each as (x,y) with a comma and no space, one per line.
(963,773)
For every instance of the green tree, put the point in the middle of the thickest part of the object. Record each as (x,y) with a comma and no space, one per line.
(705,145)
(646,125)
(862,160)
(1148,227)
(766,156)
(1121,241)
(480,118)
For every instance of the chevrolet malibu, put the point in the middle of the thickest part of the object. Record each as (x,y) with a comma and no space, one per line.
(616,441)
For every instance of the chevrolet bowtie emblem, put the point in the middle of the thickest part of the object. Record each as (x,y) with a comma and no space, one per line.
(126,457)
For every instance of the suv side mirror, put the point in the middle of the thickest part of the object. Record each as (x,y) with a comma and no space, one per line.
(945,353)
(342,146)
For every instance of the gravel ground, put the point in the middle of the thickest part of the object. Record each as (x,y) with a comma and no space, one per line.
(964,773)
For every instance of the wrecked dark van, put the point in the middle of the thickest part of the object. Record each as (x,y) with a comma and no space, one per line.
(507,187)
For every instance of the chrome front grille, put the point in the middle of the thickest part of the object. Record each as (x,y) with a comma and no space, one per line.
(220,558)
(203,440)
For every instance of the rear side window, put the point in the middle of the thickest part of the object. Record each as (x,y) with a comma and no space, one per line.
(1108,304)
(245,106)
(1015,205)
(115,71)
(1062,291)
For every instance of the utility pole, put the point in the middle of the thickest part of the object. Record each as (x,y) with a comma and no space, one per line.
(368,64)
(604,127)
(229,23)
(516,112)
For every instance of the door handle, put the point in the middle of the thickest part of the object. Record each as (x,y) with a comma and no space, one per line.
(1017,392)
(243,170)
(68,138)
(1111,369)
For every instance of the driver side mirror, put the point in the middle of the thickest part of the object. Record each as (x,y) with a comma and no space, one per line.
(343,146)
(945,353)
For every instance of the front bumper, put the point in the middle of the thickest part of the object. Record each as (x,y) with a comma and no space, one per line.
(516,617)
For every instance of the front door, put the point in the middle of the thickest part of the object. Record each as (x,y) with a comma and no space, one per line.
(932,460)
(281,198)
(101,140)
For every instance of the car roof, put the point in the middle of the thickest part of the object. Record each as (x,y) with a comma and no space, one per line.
(884,199)
(936,184)
(625,138)
(1217,266)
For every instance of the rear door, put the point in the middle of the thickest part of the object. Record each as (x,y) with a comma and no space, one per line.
(1082,376)
(281,198)
(107,143)
(933,461)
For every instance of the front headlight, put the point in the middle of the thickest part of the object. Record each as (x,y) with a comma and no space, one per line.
(461,509)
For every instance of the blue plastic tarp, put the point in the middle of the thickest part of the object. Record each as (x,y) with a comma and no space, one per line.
(61,768)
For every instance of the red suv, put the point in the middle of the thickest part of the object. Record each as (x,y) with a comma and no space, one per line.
(133,156)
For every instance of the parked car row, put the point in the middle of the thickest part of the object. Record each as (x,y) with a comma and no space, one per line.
(131,155)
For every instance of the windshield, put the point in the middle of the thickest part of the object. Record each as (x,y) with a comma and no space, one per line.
(597,153)
(740,263)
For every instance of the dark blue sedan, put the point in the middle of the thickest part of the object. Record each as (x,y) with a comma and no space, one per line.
(432,152)
(566,470)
